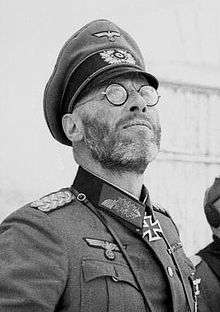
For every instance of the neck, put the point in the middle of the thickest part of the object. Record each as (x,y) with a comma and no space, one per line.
(130,182)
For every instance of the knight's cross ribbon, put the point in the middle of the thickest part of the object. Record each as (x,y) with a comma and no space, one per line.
(196,291)
(196,283)
(151,228)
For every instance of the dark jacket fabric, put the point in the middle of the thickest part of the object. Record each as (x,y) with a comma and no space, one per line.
(56,255)
(211,255)
(208,269)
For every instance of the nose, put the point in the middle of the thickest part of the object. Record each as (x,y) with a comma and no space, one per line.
(136,103)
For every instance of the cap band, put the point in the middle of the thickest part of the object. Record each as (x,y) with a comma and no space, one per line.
(92,65)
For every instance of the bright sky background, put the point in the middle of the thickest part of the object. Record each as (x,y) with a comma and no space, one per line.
(180,41)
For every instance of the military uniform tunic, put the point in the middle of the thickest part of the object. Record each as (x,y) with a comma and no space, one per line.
(207,263)
(56,254)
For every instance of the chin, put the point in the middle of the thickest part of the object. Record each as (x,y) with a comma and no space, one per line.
(137,147)
(130,158)
(122,152)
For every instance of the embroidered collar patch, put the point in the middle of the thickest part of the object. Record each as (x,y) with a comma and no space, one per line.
(121,205)
(53,201)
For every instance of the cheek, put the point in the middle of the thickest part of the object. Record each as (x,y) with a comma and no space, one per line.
(101,114)
(154,115)
(107,116)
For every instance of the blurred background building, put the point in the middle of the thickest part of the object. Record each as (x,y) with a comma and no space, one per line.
(181,44)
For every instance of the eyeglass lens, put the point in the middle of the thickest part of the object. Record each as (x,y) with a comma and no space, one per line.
(117,94)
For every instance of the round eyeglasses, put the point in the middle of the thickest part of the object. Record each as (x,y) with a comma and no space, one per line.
(117,95)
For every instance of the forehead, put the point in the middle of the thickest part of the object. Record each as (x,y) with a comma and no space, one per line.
(135,78)
(129,80)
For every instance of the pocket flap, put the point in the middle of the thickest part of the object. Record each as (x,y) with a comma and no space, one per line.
(93,269)
(119,273)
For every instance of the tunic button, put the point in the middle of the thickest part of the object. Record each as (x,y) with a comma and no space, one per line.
(170,271)
(81,197)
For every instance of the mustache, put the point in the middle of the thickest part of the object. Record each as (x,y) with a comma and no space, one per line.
(134,119)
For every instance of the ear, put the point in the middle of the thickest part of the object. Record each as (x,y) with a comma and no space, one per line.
(72,127)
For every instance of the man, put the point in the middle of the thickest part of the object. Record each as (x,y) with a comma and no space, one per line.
(100,245)
(207,260)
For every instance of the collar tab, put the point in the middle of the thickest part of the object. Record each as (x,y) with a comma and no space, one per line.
(121,205)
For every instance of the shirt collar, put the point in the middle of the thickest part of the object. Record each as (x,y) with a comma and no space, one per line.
(112,199)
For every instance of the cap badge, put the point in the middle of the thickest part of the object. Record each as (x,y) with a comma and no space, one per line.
(152,229)
(117,56)
(109,34)
(53,201)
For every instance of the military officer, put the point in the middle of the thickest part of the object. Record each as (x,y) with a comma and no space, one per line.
(207,260)
(101,244)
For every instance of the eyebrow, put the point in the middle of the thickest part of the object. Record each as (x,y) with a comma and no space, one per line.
(101,82)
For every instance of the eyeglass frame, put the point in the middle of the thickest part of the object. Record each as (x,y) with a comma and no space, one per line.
(127,94)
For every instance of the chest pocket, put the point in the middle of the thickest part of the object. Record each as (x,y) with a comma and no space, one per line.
(108,286)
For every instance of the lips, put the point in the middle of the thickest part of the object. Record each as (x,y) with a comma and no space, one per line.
(137,123)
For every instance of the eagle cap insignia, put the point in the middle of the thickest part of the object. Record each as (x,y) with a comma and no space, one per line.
(53,201)
(117,56)
(111,35)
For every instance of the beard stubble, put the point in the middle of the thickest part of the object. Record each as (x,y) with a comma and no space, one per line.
(120,150)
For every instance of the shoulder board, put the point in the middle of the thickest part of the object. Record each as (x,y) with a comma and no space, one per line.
(53,201)
(159,208)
